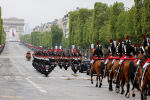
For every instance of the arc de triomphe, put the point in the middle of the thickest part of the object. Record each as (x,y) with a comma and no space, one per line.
(14,28)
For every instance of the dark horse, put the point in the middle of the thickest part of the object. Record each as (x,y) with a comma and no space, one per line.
(97,68)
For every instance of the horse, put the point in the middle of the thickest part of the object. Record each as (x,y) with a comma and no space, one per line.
(109,74)
(131,72)
(97,68)
(109,70)
(124,75)
(146,80)
(116,76)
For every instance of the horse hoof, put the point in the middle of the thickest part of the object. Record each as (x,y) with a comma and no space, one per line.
(133,95)
(96,85)
(117,90)
(122,92)
(99,86)
(128,95)
(110,89)
(91,82)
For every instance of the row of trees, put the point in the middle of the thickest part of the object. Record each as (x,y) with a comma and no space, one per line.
(104,22)
(2,33)
(100,24)
(45,39)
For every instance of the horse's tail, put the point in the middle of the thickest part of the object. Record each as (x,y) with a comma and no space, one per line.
(102,68)
(132,71)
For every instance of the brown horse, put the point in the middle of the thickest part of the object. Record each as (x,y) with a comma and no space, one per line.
(145,82)
(128,70)
(109,74)
(97,68)
(125,75)
(116,76)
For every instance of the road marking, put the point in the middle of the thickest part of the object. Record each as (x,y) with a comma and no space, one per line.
(28,80)
(11,97)
(36,86)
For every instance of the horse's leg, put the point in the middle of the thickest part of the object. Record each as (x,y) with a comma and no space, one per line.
(149,89)
(91,77)
(122,86)
(118,83)
(110,81)
(128,85)
(143,90)
(97,80)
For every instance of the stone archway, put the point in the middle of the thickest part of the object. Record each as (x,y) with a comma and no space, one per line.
(14,28)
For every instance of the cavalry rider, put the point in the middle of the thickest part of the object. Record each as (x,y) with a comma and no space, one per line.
(119,48)
(128,49)
(146,44)
(97,53)
(112,51)
(146,50)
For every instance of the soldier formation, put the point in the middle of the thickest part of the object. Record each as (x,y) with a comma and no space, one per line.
(119,53)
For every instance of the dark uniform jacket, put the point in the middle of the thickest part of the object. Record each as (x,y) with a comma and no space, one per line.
(120,50)
(113,49)
(98,52)
(129,50)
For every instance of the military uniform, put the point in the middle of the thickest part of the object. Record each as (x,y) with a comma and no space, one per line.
(98,52)
(112,51)
(128,49)
(146,50)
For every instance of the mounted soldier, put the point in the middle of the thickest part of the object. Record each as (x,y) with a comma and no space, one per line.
(97,52)
(112,51)
(119,48)
(128,49)
(146,50)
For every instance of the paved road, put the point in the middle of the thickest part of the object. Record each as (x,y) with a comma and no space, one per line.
(20,81)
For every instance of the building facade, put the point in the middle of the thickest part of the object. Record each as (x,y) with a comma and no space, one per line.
(62,23)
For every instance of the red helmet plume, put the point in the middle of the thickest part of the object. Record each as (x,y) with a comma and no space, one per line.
(111,40)
(144,36)
(127,37)
(97,42)
(119,40)
(135,45)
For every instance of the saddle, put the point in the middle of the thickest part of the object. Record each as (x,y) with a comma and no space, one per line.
(98,58)
(130,58)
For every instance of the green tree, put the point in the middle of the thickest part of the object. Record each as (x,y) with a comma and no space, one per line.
(57,35)
(100,15)
(115,11)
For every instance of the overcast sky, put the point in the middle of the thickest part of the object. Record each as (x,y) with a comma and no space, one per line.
(36,12)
